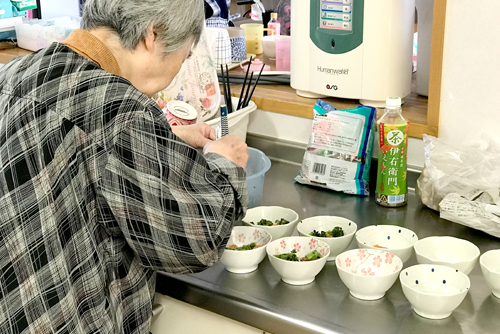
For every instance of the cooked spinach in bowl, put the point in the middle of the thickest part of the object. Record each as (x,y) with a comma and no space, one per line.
(250,246)
(292,256)
(265,222)
(337,231)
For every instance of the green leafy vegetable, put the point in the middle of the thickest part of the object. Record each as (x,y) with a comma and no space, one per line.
(244,247)
(337,231)
(265,222)
(292,256)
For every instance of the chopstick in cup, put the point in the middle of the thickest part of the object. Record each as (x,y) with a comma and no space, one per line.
(244,82)
(223,108)
(248,89)
(245,104)
(230,102)
(223,83)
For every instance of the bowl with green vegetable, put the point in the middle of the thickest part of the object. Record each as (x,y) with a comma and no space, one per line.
(278,221)
(337,232)
(298,259)
(245,249)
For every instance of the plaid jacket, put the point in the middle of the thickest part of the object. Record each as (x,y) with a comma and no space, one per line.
(96,194)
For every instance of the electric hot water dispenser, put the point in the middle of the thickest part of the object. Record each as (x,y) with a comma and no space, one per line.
(355,49)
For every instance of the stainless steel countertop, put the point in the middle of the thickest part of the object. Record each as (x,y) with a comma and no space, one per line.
(260,299)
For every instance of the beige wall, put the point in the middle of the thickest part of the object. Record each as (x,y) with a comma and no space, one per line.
(471,72)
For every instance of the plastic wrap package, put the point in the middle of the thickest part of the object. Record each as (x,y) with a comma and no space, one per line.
(196,83)
(477,209)
(339,152)
(34,34)
(451,170)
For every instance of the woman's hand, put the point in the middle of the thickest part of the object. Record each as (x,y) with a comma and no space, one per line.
(196,135)
(230,147)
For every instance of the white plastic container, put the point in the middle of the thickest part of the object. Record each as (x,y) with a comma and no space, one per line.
(238,120)
(37,34)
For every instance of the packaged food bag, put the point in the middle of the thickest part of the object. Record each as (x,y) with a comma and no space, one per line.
(338,155)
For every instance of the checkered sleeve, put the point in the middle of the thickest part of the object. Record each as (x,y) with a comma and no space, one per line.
(175,207)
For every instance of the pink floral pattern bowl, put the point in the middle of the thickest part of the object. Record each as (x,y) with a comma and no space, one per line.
(302,272)
(368,273)
(245,261)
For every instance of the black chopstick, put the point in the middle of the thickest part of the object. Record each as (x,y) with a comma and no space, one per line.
(244,82)
(223,83)
(253,88)
(230,102)
(248,89)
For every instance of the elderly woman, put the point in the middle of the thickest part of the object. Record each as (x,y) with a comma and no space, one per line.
(97,191)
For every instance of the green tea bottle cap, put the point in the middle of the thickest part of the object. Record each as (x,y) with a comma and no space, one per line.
(393,102)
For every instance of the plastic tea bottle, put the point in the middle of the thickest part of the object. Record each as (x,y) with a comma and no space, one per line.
(274,25)
(391,188)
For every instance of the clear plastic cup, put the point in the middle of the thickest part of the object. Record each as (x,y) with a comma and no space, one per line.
(257,166)
(283,53)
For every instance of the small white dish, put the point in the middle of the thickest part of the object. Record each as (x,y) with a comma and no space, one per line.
(433,290)
(448,251)
(272,213)
(297,273)
(326,223)
(245,261)
(490,266)
(395,239)
(368,273)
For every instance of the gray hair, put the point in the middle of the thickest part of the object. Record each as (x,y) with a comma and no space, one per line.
(174,22)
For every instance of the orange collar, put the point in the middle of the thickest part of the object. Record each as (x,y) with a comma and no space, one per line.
(90,47)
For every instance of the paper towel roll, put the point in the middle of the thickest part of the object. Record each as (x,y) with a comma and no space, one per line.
(57,32)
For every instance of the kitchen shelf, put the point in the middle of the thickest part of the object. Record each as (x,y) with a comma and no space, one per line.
(7,54)
(283,99)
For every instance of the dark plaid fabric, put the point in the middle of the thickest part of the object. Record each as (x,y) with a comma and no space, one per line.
(96,194)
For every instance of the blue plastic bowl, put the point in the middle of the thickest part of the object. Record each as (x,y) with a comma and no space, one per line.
(257,166)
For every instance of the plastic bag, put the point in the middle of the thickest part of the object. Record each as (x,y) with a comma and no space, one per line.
(477,209)
(339,152)
(196,83)
(451,170)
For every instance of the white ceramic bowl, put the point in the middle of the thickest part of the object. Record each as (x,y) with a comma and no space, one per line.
(434,290)
(395,239)
(326,223)
(272,213)
(297,273)
(448,251)
(490,266)
(269,46)
(245,261)
(368,273)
